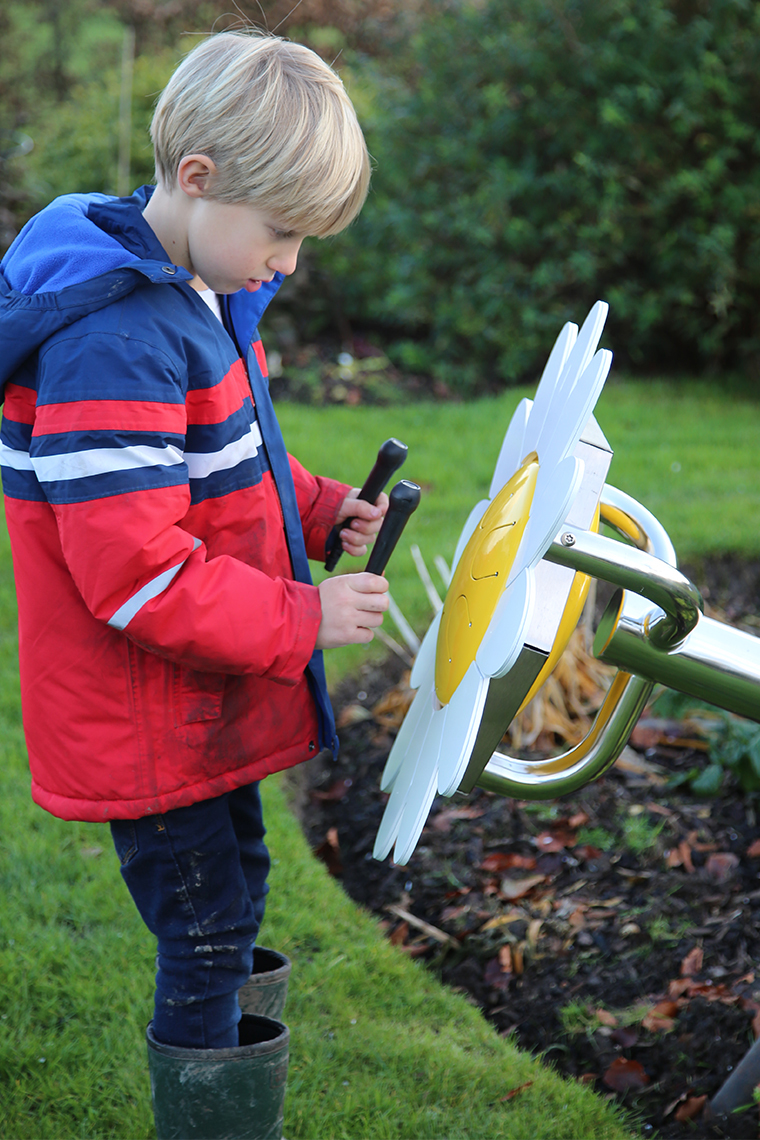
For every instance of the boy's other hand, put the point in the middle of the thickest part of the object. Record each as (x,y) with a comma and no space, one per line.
(367,520)
(352,606)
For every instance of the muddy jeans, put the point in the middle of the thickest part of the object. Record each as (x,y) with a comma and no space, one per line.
(198,878)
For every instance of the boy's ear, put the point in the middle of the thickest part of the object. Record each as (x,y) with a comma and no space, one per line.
(194,174)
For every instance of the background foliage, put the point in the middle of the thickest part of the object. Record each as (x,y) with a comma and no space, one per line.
(531,156)
(538,154)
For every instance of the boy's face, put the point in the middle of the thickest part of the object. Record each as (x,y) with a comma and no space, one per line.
(236,246)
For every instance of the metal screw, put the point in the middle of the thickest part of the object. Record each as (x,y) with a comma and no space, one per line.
(568,539)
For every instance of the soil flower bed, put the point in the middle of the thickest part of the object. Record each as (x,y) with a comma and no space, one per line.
(614,932)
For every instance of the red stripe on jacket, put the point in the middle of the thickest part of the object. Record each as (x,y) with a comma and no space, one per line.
(213,405)
(204,406)
(110,415)
(261,357)
(20,403)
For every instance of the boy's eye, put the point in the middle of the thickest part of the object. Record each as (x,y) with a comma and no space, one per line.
(283,234)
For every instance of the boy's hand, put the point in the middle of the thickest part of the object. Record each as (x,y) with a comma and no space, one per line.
(367,520)
(352,606)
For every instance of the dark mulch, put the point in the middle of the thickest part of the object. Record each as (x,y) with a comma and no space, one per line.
(632,956)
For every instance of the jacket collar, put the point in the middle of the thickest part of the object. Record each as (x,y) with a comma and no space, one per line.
(28,318)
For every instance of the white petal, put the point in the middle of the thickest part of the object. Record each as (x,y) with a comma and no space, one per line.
(512,449)
(418,765)
(577,408)
(554,496)
(476,514)
(504,637)
(388,829)
(421,796)
(463,716)
(400,750)
(547,385)
(585,346)
(575,365)
(424,662)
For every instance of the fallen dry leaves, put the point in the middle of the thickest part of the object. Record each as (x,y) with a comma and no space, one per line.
(518,888)
(337,791)
(427,928)
(690,1108)
(662,1017)
(680,856)
(625,1036)
(555,840)
(516,1091)
(604,1017)
(506,860)
(692,963)
(443,820)
(393,706)
(352,714)
(564,707)
(722,866)
(329,852)
(624,1074)
(686,1107)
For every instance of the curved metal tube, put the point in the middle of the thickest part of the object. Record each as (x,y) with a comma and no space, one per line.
(634,522)
(635,570)
(715,663)
(547,779)
(628,694)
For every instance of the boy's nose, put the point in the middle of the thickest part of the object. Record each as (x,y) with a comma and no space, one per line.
(285,260)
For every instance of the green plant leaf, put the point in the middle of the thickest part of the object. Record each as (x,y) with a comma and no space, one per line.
(754,754)
(709,781)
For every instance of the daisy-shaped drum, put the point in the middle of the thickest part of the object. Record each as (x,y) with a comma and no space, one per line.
(479,634)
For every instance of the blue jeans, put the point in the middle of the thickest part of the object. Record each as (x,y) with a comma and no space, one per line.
(198,878)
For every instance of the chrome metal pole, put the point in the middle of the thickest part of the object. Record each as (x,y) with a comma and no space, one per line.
(715,662)
(679,599)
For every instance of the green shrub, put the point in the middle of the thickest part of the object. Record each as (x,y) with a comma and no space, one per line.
(736,746)
(540,154)
(76,144)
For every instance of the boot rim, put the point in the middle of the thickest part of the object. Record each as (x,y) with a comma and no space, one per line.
(264,976)
(273,1044)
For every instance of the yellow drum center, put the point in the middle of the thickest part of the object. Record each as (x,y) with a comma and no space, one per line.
(480,578)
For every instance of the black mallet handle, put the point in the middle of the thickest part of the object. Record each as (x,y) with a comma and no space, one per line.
(389,458)
(405,498)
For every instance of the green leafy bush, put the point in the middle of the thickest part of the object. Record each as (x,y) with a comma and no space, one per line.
(535,155)
(737,747)
(76,144)
(734,747)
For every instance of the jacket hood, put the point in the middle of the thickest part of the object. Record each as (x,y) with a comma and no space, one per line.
(79,254)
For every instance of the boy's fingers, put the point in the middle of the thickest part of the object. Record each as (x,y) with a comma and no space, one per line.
(362,512)
(365,583)
(360,509)
(353,537)
(352,607)
(373,604)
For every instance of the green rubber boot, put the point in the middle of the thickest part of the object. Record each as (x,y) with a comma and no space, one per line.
(221,1094)
(267,988)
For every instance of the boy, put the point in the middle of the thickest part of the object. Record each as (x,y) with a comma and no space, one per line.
(170,636)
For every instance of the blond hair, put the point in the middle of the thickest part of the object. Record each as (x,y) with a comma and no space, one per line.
(278,124)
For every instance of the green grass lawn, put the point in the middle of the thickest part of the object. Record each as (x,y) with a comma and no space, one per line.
(379,1049)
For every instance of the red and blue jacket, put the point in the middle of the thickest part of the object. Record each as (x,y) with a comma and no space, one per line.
(166,648)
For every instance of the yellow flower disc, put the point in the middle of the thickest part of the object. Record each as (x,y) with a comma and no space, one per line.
(480,578)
